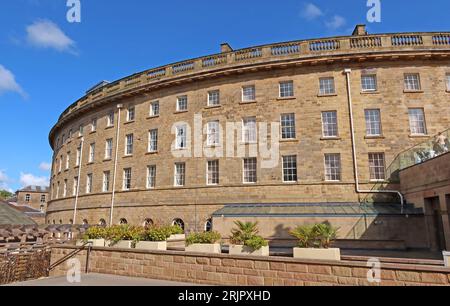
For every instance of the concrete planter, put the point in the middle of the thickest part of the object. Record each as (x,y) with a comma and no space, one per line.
(177,237)
(152,245)
(244,250)
(94,242)
(447,259)
(122,244)
(319,254)
(204,248)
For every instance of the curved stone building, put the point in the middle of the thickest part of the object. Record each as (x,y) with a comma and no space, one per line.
(182,143)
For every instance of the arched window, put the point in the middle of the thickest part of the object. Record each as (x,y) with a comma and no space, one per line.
(148,222)
(70,221)
(178,222)
(54,222)
(102,223)
(85,222)
(123,221)
(209,225)
(60,221)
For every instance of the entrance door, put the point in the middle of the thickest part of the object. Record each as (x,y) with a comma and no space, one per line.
(437,228)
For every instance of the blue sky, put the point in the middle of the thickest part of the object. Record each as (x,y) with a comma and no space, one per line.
(46,63)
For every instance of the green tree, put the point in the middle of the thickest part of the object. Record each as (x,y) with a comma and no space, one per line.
(4,195)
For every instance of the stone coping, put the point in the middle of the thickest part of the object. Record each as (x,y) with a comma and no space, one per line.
(354,264)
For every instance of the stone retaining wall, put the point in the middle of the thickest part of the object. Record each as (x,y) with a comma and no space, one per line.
(246,271)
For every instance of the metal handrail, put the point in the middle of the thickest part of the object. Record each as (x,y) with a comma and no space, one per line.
(73,254)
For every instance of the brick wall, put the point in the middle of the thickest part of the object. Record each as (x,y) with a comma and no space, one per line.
(246,271)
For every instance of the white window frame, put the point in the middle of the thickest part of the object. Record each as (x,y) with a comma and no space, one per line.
(129,145)
(131,114)
(214,98)
(247,173)
(327,86)
(286,89)
(65,188)
(365,84)
(106,181)
(181,138)
(373,122)
(213,133)
(182,103)
(67,160)
(180,177)
(412,82)
(375,167)
(447,82)
(249,130)
(213,172)
(89,181)
(154,109)
(78,160)
(151,176)
(92,152)
(75,186)
(329,173)
(415,121)
(326,125)
(290,129)
(94,125)
(108,148)
(28,198)
(153,141)
(110,119)
(127,179)
(248,96)
(289,168)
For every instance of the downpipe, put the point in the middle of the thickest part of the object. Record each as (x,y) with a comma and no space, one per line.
(355,163)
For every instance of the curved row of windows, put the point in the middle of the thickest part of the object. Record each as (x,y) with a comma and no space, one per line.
(147,223)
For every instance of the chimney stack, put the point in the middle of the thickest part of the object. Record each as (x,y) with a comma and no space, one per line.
(225,47)
(360,30)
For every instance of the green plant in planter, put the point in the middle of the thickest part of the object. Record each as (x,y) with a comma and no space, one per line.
(124,232)
(203,238)
(319,236)
(94,233)
(246,234)
(155,234)
(172,230)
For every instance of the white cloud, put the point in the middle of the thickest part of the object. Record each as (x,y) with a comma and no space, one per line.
(46,34)
(45,166)
(8,82)
(27,179)
(336,22)
(4,181)
(311,11)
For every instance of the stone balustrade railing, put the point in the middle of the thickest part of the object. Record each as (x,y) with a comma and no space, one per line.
(269,53)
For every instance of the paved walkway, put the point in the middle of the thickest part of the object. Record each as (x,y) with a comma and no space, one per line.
(93,279)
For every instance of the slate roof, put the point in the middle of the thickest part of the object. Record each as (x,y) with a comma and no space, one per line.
(11,216)
(314,210)
(35,189)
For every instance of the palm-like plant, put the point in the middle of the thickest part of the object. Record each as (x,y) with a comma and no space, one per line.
(315,236)
(325,234)
(243,232)
(305,235)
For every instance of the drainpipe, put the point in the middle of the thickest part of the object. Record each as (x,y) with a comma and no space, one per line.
(113,197)
(80,165)
(355,163)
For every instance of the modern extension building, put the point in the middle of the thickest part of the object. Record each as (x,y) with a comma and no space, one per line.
(184,143)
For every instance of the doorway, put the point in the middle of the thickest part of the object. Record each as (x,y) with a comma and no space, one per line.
(435,225)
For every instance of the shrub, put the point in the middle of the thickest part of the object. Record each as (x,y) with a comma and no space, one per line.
(247,234)
(315,236)
(173,230)
(124,232)
(203,238)
(94,233)
(155,234)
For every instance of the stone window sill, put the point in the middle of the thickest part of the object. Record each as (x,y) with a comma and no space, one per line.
(419,136)
(286,98)
(369,92)
(412,91)
(212,106)
(153,117)
(129,122)
(330,138)
(181,112)
(327,95)
(375,137)
(248,102)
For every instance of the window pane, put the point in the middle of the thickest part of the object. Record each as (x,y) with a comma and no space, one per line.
(249,130)
(248,94)
(288,126)
(127,179)
(417,121)
(326,86)
(182,103)
(151,177)
(373,122)
(154,109)
(213,98)
(369,82)
(377,166)
(213,133)
(180,170)
(131,114)
(153,141)
(329,121)
(332,167)
(290,168)
(412,81)
(213,172)
(250,174)
(286,89)
(129,144)
(181,142)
